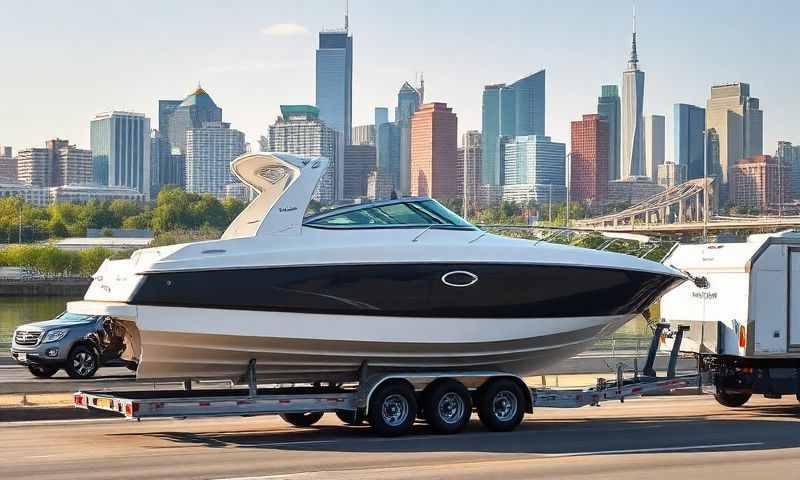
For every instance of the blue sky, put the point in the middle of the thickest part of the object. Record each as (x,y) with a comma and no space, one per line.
(63,61)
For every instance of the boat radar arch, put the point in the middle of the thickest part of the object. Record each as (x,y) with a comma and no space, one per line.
(285,184)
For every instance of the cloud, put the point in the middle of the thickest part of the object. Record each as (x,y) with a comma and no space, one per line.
(284,29)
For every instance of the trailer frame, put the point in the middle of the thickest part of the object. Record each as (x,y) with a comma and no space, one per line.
(252,399)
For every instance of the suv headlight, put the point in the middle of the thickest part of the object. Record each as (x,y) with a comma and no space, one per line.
(55,335)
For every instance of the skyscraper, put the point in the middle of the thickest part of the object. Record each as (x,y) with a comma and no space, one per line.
(8,166)
(654,144)
(121,150)
(175,118)
(470,169)
(359,161)
(388,145)
(381,116)
(334,82)
(690,121)
(608,106)
(790,155)
(589,160)
(510,110)
(170,168)
(434,138)
(363,135)
(761,181)
(299,130)
(734,122)
(409,99)
(535,169)
(632,120)
(59,163)
(209,152)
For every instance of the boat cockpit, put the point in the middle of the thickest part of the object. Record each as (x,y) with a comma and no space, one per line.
(399,213)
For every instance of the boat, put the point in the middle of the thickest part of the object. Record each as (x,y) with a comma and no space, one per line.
(398,285)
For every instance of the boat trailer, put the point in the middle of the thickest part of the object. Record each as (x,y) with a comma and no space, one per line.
(354,400)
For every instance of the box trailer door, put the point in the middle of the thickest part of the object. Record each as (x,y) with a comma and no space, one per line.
(794,298)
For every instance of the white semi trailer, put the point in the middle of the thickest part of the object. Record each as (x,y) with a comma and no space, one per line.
(743,319)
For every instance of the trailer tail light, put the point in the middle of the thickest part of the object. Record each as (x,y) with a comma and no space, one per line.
(742,337)
(77,400)
(131,408)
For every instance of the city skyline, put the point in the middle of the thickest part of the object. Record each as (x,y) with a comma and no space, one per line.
(264,62)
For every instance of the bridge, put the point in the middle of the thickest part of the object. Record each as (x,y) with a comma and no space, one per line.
(679,210)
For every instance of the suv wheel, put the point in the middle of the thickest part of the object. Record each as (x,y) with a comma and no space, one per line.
(81,362)
(42,371)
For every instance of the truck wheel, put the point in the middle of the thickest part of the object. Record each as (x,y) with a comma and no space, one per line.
(392,409)
(351,418)
(81,362)
(447,406)
(731,399)
(305,419)
(501,405)
(42,371)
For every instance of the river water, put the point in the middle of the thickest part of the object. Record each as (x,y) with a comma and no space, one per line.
(15,311)
(18,310)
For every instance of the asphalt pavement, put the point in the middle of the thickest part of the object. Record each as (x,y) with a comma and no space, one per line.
(654,438)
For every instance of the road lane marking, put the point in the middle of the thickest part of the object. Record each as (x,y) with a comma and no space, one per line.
(283,444)
(653,450)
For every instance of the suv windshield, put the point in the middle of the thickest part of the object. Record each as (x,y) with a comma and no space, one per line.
(388,214)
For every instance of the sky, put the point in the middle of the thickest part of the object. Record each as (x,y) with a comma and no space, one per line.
(62,62)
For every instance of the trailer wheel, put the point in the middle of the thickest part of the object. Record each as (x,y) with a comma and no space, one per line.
(447,406)
(501,405)
(349,417)
(732,400)
(392,409)
(305,419)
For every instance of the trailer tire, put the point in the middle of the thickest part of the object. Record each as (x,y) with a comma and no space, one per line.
(447,406)
(349,417)
(303,419)
(392,409)
(731,400)
(501,405)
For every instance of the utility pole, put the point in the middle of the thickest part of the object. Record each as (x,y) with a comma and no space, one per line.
(705,186)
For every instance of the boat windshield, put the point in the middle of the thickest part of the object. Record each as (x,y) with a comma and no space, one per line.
(397,213)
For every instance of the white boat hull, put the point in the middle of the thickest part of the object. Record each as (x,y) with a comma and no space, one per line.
(181,343)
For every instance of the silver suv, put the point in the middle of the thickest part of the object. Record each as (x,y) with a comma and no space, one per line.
(79,344)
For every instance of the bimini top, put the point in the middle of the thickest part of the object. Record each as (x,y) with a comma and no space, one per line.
(285,184)
(400,213)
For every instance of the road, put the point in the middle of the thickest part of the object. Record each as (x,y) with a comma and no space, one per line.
(657,438)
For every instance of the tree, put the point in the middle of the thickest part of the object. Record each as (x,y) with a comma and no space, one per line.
(92,258)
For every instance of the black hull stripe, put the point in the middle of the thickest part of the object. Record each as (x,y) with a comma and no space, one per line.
(413,290)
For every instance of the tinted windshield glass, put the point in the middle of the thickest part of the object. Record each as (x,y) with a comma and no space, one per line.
(427,212)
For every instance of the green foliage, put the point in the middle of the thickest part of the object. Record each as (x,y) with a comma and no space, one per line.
(508,213)
(174,237)
(47,259)
(91,259)
(174,210)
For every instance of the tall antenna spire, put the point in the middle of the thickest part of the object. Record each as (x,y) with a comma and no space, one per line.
(633,62)
(346,15)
